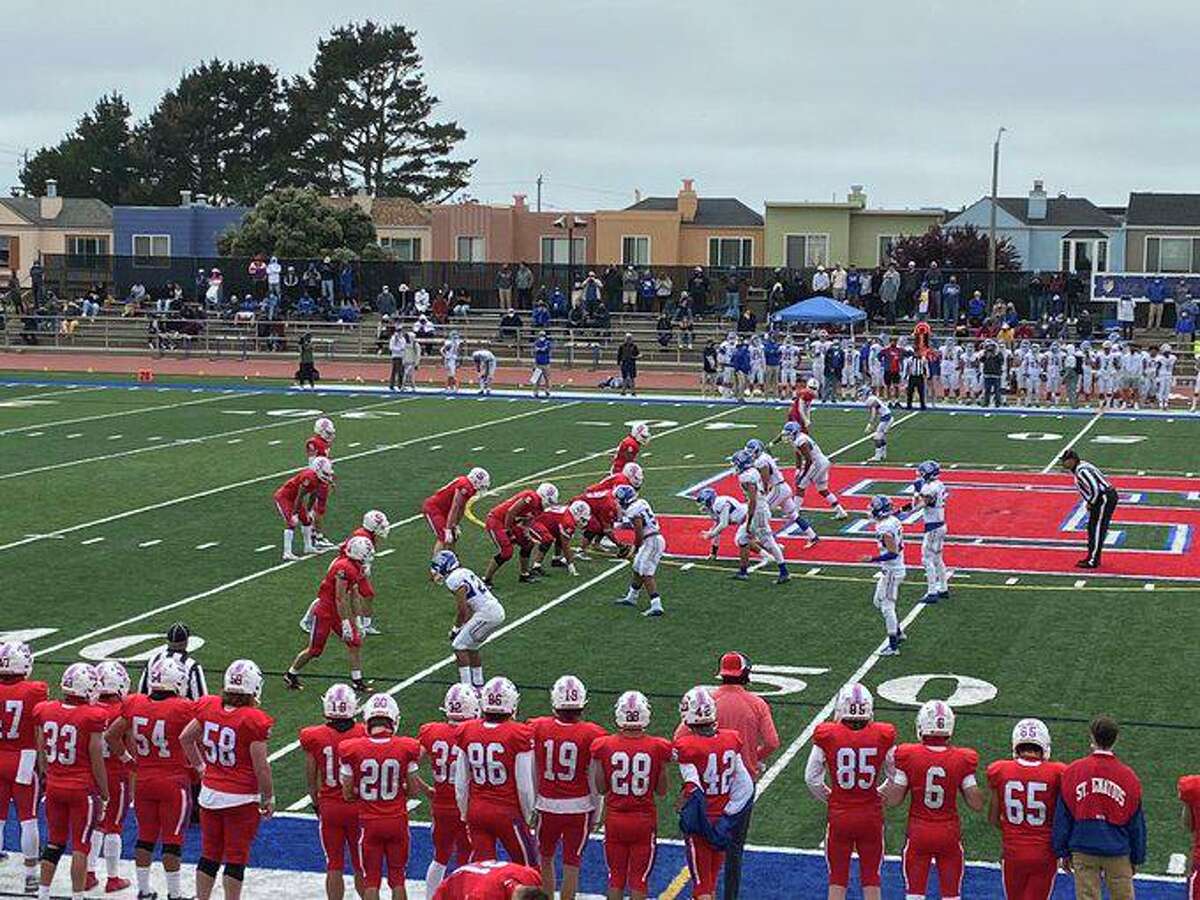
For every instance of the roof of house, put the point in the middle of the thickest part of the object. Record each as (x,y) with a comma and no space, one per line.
(1060,212)
(1163,209)
(386,211)
(712,211)
(76,212)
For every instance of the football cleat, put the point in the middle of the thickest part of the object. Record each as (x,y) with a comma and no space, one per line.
(289,556)
(80,680)
(1031,731)
(461,703)
(698,707)
(854,703)
(640,432)
(931,598)
(632,710)
(339,702)
(360,549)
(840,513)
(292,682)
(479,478)
(382,706)
(568,693)
(740,576)
(244,677)
(784,578)
(634,473)
(812,542)
(325,428)
(114,884)
(324,468)
(890,651)
(625,601)
(624,495)
(935,718)
(500,696)
(361,685)
(114,680)
(653,612)
(376,522)
(527,578)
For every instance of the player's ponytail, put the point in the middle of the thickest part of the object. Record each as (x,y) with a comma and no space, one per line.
(230,699)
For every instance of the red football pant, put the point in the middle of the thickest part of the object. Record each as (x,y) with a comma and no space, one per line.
(25,796)
(339,827)
(226,834)
(450,837)
(501,538)
(571,829)
(436,520)
(933,845)
(118,803)
(291,512)
(850,830)
(630,845)
(488,825)
(163,807)
(381,839)
(1194,885)
(71,816)
(704,863)
(1029,878)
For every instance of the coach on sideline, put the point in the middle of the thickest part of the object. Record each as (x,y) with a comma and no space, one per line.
(1101,500)
(177,646)
(1099,826)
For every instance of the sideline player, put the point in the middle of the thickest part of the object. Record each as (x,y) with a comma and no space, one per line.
(19,777)
(444,508)
(937,772)
(566,802)
(890,535)
(106,841)
(152,723)
(649,547)
(630,446)
(856,752)
(320,443)
(879,421)
(451,348)
(379,774)
(812,468)
(337,819)
(539,378)
(493,778)
(929,496)
(629,769)
(758,519)
(1024,794)
(439,742)
(485,368)
(478,615)
(292,499)
(493,880)
(508,523)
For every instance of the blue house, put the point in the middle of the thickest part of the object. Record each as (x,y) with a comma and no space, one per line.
(1052,234)
(190,229)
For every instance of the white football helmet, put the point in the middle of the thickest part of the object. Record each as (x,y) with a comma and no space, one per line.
(244,677)
(381,706)
(80,680)
(568,693)
(461,703)
(359,548)
(698,707)
(376,522)
(640,432)
(935,718)
(632,710)
(325,428)
(114,680)
(548,493)
(323,467)
(500,696)
(1031,731)
(479,478)
(166,674)
(339,702)
(633,472)
(15,658)
(580,511)
(813,384)
(855,704)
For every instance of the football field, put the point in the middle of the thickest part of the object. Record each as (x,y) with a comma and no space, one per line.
(125,510)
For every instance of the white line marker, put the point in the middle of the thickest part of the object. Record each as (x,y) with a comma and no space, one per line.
(145,544)
(35,434)
(72,437)
(559,452)
(518,449)
(274,442)
(208,545)
(1011,580)
(355,444)
(1148,586)
(115,437)
(689,456)
(155,437)
(436,447)
(813,571)
(477,449)
(386,552)
(1075,440)
(234,441)
(94,540)
(264,548)
(1080,582)
(239,412)
(687,566)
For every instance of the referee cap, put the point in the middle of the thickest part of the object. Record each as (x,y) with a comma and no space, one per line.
(178,633)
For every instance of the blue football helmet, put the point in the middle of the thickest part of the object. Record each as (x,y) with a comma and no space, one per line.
(791,429)
(624,495)
(754,447)
(707,497)
(863,392)
(742,460)
(881,507)
(443,563)
(929,469)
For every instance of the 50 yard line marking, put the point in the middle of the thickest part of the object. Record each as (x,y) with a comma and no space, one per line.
(1075,440)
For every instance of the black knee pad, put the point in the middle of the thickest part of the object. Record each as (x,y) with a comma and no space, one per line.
(209,867)
(236,871)
(172,849)
(52,854)
(148,846)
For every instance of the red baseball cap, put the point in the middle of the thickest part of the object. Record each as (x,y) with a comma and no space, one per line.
(734,665)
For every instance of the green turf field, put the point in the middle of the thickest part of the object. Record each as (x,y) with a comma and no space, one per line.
(126,510)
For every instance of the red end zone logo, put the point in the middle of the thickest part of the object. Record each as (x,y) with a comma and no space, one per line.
(996,521)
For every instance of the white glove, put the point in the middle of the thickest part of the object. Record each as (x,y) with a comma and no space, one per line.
(454,632)
(347,631)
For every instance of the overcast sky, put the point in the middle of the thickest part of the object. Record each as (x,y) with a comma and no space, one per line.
(759,99)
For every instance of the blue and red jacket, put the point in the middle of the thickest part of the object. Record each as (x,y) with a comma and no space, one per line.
(1100,810)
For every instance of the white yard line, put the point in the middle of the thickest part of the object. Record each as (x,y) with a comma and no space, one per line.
(126,412)
(74,390)
(867,437)
(1075,440)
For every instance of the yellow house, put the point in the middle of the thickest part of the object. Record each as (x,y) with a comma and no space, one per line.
(32,228)
(684,230)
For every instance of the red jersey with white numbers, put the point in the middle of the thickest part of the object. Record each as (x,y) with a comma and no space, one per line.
(67,731)
(380,767)
(627,452)
(443,498)
(492,880)
(439,741)
(112,707)
(1028,793)
(17,702)
(632,767)
(854,758)
(226,733)
(323,743)
(713,758)
(490,750)
(935,775)
(316,446)
(153,731)
(562,757)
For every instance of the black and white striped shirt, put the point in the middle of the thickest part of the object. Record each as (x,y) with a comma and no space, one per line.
(197,687)
(1091,482)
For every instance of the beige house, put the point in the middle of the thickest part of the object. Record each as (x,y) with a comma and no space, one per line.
(32,228)
(1162,233)
(403,227)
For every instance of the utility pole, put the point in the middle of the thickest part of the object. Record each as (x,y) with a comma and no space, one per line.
(539,192)
(992,218)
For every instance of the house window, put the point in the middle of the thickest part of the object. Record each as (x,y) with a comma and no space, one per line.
(1084,255)
(406,249)
(730,252)
(635,250)
(5,252)
(556,252)
(1172,254)
(470,249)
(87,245)
(806,251)
(886,244)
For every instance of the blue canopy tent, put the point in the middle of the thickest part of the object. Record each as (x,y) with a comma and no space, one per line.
(820,311)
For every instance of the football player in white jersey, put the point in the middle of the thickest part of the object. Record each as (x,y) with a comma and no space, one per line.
(758,366)
(789,362)
(485,368)
(1028,372)
(812,468)
(649,547)
(951,373)
(778,492)
(1110,373)
(929,496)
(1087,378)
(875,365)
(1165,376)
(451,347)
(879,421)
(971,383)
(1131,375)
(758,517)
(890,558)
(816,353)
(850,373)
(724,511)
(479,614)
(1148,366)
(1052,370)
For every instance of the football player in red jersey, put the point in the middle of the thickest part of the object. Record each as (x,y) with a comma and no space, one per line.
(629,770)
(710,761)
(855,751)
(937,772)
(605,513)
(227,741)
(19,781)
(70,749)
(1189,796)
(628,449)
(114,688)
(493,778)
(566,800)
(375,527)
(555,527)
(320,444)
(291,499)
(379,774)
(342,590)
(445,507)
(151,724)
(801,409)
(439,742)
(509,522)
(1023,797)
(493,880)
(337,818)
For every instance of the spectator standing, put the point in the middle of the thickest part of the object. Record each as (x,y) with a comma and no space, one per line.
(307,371)
(910,283)
(951,295)
(1099,825)
(612,286)
(37,280)
(772,359)
(201,285)
(397,347)
(346,280)
(854,291)
(1156,294)
(992,366)
(178,636)
(935,281)
(747,322)
(820,282)
(697,288)
(710,369)
(385,302)
(257,270)
(664,289)
(627,357)
(412,361)
(291,286)
(647,291)
(837,283)
(777,293)
(523,281)
(629,288)
(889,293)
(540,378)
(311,280)
(1186,313)
(328,279)
(733,296)
(504,287)
(214,294)
(1125,316)
(593,290)
(683,318)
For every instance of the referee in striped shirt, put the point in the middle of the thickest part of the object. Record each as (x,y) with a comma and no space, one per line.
(178,636)
(1101,500)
